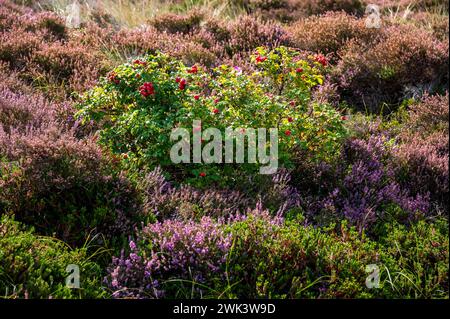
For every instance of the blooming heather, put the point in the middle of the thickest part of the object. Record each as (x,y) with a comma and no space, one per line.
(171,250)
(368,186)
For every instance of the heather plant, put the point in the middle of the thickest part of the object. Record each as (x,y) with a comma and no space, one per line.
(174,23)
(35,267)
(416,4)
(429,115)
(208,42)
(171,259)
(376,78)
(25,108)
(322,6)
(248,33)
(367,192)
(14,50)
(39,46)
(293,10)
(258,255)
(20,111)
(137,42)
(330,32)
(47,24)
(422,155)
(63,186)
(437,23)
(11,81)
(165,200)
(139,103)
(65,64)
(423,165)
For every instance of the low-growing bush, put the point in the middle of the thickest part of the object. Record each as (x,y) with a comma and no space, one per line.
(247,33)
(434,22)
(68,64)
(40,47)
(261,256)
(273,258)
(209,42)
(171,259)
(63,186)
(429,115)
(164,200)
(423,152)
(424,165)
(322,6)
(416,260)
(292,10)
(330,32)
(15,50)
(366,190)
(20,111)
(140,103)
(33,266)
(174,23)
(406,62)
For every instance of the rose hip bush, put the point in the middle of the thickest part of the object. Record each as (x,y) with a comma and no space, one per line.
(139,103)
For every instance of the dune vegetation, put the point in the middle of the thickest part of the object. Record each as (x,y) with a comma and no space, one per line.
(89,94)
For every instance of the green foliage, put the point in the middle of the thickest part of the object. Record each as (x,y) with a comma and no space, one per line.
(35,267)
(137,123)
(291,260)
(416,260)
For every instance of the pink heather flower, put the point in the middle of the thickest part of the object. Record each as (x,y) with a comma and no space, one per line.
(238,70)
(114,283)
(134,257)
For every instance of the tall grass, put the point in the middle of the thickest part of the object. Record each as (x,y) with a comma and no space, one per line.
(133,13)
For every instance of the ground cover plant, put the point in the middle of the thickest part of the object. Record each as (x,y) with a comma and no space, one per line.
(91,91)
